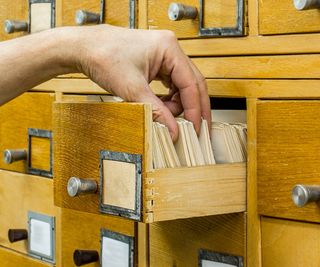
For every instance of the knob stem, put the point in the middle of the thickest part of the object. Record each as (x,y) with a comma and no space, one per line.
(179,11)
(78,186)
(15,235)
(302,194)
(12,155)
(82,257)
(85,17)
(306,4)
(11,26)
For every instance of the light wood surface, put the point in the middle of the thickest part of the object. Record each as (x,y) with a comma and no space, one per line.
(12,11)
(81,230)
(40,153)
(253,219)
(289,243)
(143,244)
(81,130)
(11,258)
(21,193)
(30,110)
(288,134)
(281,17)
(198,191)
(177,243)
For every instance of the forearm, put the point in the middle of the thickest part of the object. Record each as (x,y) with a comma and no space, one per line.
(31,60)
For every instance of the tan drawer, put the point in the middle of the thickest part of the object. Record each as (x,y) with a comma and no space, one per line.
(26,124)
(10,258)
(288,134)
(289,243)
(280,17)
(84,135)
(115,12)
(214,18)
(86,234)
(183,243)
(21,194)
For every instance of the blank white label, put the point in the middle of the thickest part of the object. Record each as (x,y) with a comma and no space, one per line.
(40,239)
(206,263)
(114,253)
(40,17)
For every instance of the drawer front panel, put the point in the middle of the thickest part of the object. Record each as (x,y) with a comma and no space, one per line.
(177,243)
(86,234)
(216,14)
(289,243)
(17,117)
(21,193)
(115,12)
(288,134)
(12,11)
(281,17)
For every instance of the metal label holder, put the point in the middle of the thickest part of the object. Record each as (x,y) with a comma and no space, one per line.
(53,11)
(120,211)
(238,30)
(32,132)
(132,14)
(119,237)
(51,221)
(102,5)
(236,261)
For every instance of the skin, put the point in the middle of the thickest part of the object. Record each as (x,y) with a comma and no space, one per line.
(122,61)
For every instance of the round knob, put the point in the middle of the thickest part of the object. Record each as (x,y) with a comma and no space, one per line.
(178,11)
(306,4)
(302,194)
(12,155)
(78,186)
(82,257)
(15,235)
(85,17)
(11,26)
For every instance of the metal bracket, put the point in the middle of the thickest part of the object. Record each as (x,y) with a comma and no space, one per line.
(53,11)
(118,237)
(238,30)
(102,5)
(236,261)
(32,132)
(49,220)
(120,211)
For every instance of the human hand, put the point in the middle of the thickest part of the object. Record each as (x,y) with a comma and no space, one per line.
(125,61)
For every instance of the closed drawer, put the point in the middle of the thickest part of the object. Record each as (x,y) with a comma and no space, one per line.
(26,134)
(115,12)
(188,242)
(11,258)
(287,154)
(88,234)
(22,196)
(281,17)
(211,18)
(289,243)
(110,144)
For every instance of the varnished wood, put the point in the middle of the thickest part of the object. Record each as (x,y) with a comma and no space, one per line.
(177,243)
(17,10)
(277,17)
(21,193)
(288,134)
(289,243)
(81,130)
(198,191)
(10,258)
(30,110)
(81,230)
(40,153)
(253,21)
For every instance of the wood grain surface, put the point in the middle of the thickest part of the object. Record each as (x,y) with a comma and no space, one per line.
(30,110)
(288,134)
(289,243)
(276,17)
(198,191)
(177,243)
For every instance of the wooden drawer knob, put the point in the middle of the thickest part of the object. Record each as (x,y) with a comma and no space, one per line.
(82,257)
(85,17)
(306,4)
(12,155)
(11,26)
(77,186)
(179,11)
(15,235)
(303,194)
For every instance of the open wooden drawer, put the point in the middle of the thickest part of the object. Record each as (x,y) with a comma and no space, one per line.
(106,148)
